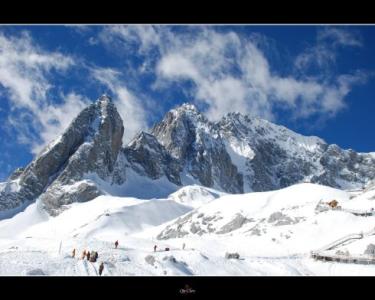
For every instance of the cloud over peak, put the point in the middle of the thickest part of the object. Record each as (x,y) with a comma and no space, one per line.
(25,69)
(230,72)
(219,69)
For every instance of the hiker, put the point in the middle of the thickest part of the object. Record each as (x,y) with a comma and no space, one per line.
(116,244)
(101,267)
(74,252)
(183,246)
(83,254)
(88,255)
(155,248)
(94,256)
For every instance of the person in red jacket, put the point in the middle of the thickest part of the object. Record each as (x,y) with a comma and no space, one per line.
(116,244)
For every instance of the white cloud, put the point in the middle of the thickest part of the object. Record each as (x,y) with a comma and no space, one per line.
(231,73)
(209,62)
(54,119)
(5,169)
(145,37)
(24,73)
(337,36)
(128,105)
(93,41)
(177,66)
(80,29)
(324,53)
(23,67)
(319,55)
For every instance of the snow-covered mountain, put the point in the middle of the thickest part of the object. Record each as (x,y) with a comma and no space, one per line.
(234,155)
(240,153)
(273,233)
(208,191)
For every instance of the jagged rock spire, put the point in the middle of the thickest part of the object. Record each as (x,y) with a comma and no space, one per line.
(89,145)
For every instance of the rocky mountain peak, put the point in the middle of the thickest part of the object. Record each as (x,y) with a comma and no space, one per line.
(90,144)
(104,98)
(177,129)
(187,112)
(106,106)
(236,154)
(191,139)
(187,107)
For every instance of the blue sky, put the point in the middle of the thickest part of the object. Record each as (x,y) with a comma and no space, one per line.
(316,80)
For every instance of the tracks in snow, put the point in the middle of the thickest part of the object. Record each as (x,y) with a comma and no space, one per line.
(84,268)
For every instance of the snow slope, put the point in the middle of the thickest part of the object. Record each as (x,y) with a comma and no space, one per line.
(136,186)
(273,222)
(195,195)
(273,232)
(104,214)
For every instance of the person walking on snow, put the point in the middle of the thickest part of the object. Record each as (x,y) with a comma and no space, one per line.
(101,268)
(183,246)
(88,255)
(74,252)
(155,248)
(116,244)
(83,254)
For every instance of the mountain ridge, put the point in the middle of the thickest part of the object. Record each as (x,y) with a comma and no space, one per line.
(236,154)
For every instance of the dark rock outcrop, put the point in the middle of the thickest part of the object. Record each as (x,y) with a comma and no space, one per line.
(89,145)
(149,158)
(189,137)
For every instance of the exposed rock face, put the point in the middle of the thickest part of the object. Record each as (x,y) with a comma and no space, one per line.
(97,153)
(198,224)
(17,173)
(235,224)
(100,132)
(190,138)
(279,219)
(241,154)
(89,145)
(58,195)
(149,158)
(276,157)
(236,154)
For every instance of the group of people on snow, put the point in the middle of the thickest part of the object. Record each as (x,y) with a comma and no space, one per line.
(93,255)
